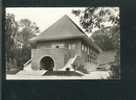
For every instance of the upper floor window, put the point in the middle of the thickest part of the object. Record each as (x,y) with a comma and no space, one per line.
(58,45)
(61,45)
(88,51)
(83,47)
(71,46)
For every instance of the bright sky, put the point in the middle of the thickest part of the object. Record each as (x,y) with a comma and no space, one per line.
(44,17)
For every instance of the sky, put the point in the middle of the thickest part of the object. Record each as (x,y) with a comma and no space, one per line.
(45,16)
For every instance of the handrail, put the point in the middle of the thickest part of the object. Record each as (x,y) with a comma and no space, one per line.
(69,62)
(28,62)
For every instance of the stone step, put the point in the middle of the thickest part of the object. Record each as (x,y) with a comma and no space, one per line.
(34,73)
(69,64)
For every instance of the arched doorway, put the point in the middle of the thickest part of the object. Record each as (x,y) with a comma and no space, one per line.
(47,63)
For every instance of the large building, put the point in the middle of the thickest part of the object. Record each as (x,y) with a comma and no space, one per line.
(62,46)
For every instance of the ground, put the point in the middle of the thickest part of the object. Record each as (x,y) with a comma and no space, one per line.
(96,75)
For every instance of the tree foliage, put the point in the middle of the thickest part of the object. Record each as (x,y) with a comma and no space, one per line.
(108,38)
(97,17)
(10,32)
(104,23)
(27,30)
(18,33)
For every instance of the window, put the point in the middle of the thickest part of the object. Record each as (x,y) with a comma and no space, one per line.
(88,51)
(88,58)
(57,45)
(82,47)
(71,46)
(85,49)
(92,52)
(61,45)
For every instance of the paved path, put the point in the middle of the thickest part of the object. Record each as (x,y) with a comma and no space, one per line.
(92,75)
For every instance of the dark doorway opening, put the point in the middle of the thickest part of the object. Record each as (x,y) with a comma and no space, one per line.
(47,63)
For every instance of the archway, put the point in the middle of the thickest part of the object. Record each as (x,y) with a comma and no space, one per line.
(47,63)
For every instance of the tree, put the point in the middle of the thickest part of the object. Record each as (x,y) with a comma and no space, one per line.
(18,33)
(11,28)
(27,30)
(107,39)
(103,19)
(98,17)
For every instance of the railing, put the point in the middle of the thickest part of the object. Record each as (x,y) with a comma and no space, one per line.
(28,62)
(69,63)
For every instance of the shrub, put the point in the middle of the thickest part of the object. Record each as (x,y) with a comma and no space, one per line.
(115,71)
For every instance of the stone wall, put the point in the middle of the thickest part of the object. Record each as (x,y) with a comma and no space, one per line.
(60,55)
(56,54)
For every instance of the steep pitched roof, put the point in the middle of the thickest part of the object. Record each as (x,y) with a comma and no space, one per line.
(64,28)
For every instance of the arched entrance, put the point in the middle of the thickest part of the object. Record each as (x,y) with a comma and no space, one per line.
(47,63)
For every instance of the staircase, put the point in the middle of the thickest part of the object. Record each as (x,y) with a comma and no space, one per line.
(69,64)
(29,71)
(27,65)
(32,73)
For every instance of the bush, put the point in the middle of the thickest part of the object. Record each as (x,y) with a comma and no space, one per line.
(115,71)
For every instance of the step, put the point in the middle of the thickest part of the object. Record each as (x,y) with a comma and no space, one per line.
(34,73)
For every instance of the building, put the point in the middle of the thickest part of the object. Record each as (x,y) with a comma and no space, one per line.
(62,46)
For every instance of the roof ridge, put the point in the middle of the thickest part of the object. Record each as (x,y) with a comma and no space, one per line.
(73,27)
(53,24)
(76,25)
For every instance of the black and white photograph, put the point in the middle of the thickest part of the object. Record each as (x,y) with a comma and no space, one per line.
(62,43)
